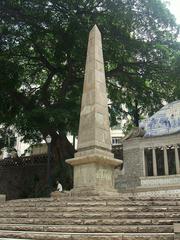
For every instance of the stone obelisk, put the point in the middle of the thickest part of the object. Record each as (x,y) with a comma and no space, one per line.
(94,163)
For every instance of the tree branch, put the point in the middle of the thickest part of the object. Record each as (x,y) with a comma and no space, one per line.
(42,58)
(44,89)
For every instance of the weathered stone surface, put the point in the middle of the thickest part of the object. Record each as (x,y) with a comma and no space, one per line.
(177,236)
(94,130)
(55,236)
(87,203)
(96,218)
(134,176)
(112,229)
(11,214)
(148,237)
(177,228)
(160,181)
(62,209)
(2,198)
(94,163)
(117,221)
(57,194)
(34,235)
(97,175)
(97,237)
(67,228)
(133,166)
(93,175)
(156,229)
(128,203)
(165,221)
(87,215)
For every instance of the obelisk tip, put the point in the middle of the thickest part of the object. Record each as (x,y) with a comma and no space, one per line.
(95,29)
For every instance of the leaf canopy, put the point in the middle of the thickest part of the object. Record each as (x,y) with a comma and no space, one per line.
(43,50)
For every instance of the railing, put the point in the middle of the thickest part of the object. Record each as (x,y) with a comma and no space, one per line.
(118,151)
(164,160)
(41,159)
(35,160)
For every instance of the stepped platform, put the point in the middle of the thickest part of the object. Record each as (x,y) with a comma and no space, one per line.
(86,218)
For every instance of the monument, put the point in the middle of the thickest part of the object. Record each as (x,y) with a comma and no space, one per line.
(94,163)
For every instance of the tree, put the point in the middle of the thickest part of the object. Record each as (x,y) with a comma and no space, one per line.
(43,50)
(143,79)
(7,139)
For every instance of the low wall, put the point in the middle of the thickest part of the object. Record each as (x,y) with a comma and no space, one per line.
(155,181)
(176,231)
(23,177)
(2,198)
(27,176)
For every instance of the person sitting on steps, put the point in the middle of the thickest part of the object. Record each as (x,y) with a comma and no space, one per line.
(59,186)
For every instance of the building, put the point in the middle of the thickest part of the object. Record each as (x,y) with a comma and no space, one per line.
(152,154)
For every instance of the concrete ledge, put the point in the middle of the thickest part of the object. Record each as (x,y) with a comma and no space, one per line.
(163,191)
(159,181)
(177,227)
(94,159)
(93,172)
(84,236)
(87,191)
(158,188)
(2,197)
(57,194)
(177,231)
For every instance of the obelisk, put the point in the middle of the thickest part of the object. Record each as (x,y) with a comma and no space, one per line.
(94,163)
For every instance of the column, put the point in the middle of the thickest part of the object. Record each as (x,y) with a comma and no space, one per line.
(177,160)
(154,162)
(144,164)
(94,163)
(166,167)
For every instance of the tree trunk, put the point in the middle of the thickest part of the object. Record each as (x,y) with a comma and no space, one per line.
(62,149)
(136,115)
(136,118)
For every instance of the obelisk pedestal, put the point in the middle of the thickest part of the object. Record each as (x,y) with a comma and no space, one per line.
(94,163)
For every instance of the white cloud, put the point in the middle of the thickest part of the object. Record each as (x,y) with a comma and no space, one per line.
(174,6)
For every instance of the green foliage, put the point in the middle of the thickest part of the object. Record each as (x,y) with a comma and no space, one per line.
(7,139)
(43,49)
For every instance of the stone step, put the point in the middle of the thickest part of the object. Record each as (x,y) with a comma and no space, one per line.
(90,215)
(89,228)
(90,218)
(152,215)
(12,238)
(121,197)
(84,236)
(107,202)
(87,221)
(64,209)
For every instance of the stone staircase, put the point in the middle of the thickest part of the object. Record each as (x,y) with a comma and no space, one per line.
(86,218)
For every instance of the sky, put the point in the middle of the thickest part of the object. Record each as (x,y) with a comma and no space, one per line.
(174,7)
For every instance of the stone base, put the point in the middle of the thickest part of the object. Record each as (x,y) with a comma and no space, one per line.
(160,181)
(93,192)
(57,194)
(2,197)
(163,191)
(93,174)
(176,231)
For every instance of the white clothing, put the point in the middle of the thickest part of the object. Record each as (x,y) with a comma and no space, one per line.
(59,187)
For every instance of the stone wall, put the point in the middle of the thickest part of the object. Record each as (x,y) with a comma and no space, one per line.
(177,231)
(23,177)
(132,166)
(159,181)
